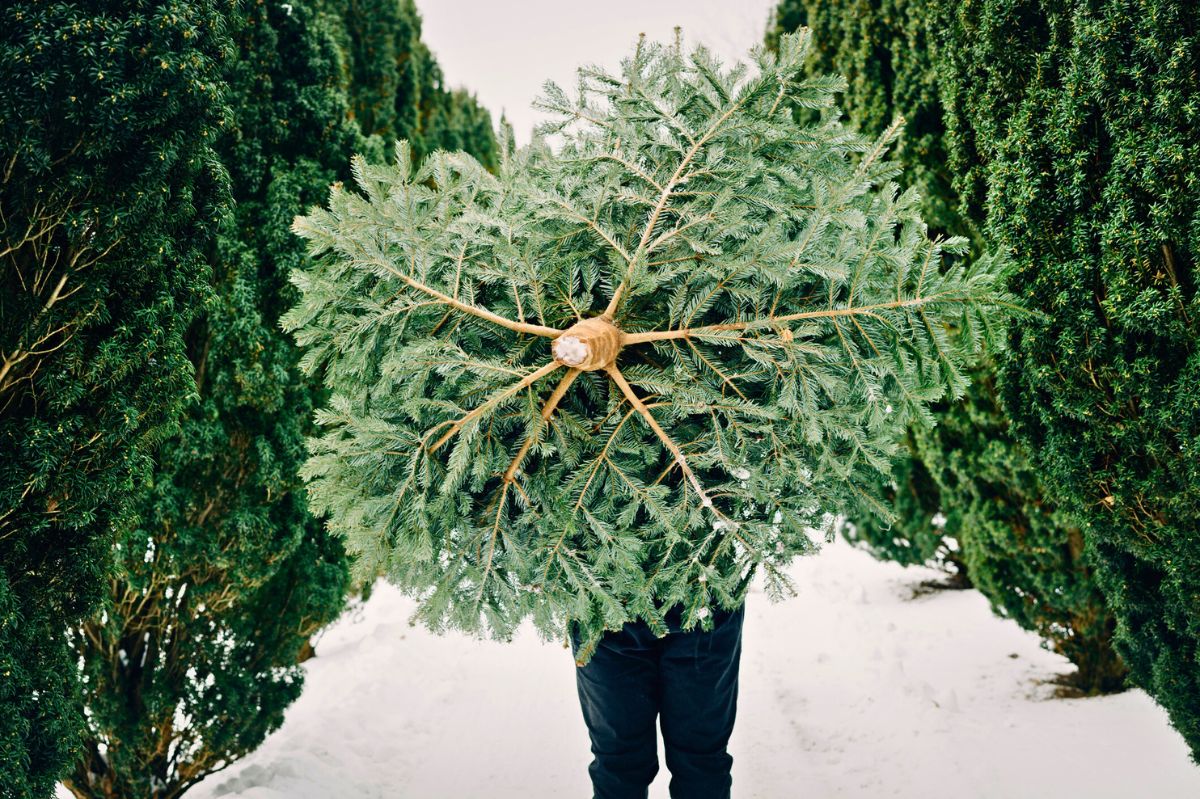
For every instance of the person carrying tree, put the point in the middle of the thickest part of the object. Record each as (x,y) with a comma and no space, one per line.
(645,363)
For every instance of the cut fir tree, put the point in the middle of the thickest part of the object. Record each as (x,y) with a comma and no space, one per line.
(636,369)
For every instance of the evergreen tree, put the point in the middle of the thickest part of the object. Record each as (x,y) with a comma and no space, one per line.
(1074,125)
(460,123)
(381,37)
(1023,552)
(965,494)
(226,576)
(738,318)
(887,51)
(109,195)
(396,86)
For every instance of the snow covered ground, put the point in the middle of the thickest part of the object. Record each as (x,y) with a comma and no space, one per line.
(852,689)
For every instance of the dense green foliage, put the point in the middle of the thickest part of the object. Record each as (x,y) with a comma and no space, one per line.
(1074,125)
(782,316)
(109,196)
(918,531)
(226,575)
(788,328)
(887,51)
(1021,550)
(396,86)
(965,495)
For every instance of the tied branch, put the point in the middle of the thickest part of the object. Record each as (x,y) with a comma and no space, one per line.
(458,305)
(667,441)
(457,425)
(767,321)
(547,411)
(664,198)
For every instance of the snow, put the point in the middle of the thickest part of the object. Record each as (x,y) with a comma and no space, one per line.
(570,350)
(852,689)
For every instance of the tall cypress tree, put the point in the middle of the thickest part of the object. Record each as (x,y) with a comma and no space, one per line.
(380,37)
(1074,124)
(886,50)
(965,493)
(110,193)
(396,86)
(226,575)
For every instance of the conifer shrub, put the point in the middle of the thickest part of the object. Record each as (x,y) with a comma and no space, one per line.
(634,371)
(1074,124)
(917,531)
(228,575)
(397,90)
(111,194)
(1022,551)
(965,495)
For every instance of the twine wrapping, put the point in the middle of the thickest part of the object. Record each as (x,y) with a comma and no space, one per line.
(589,345)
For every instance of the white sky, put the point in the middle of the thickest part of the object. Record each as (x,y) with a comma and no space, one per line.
(504,51)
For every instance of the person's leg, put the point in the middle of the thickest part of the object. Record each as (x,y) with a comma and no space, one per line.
(699,678)
(619,696)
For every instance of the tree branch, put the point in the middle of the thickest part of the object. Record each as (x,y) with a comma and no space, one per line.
(547,411)
(828,313)
(615,302)
(667,441)
(473,310)
(528,380)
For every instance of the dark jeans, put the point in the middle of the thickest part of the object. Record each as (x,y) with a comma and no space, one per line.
(690,679)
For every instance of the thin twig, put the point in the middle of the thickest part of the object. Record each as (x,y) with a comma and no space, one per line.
(487,568)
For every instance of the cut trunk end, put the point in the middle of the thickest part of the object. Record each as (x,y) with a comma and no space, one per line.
(589,345)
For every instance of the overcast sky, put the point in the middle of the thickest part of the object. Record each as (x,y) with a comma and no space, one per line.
(504,51)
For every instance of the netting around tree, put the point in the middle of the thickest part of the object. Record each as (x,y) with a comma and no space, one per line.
(633,369)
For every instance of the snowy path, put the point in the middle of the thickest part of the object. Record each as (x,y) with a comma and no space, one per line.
(849,690)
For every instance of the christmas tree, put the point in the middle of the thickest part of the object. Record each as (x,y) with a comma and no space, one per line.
(635,369)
